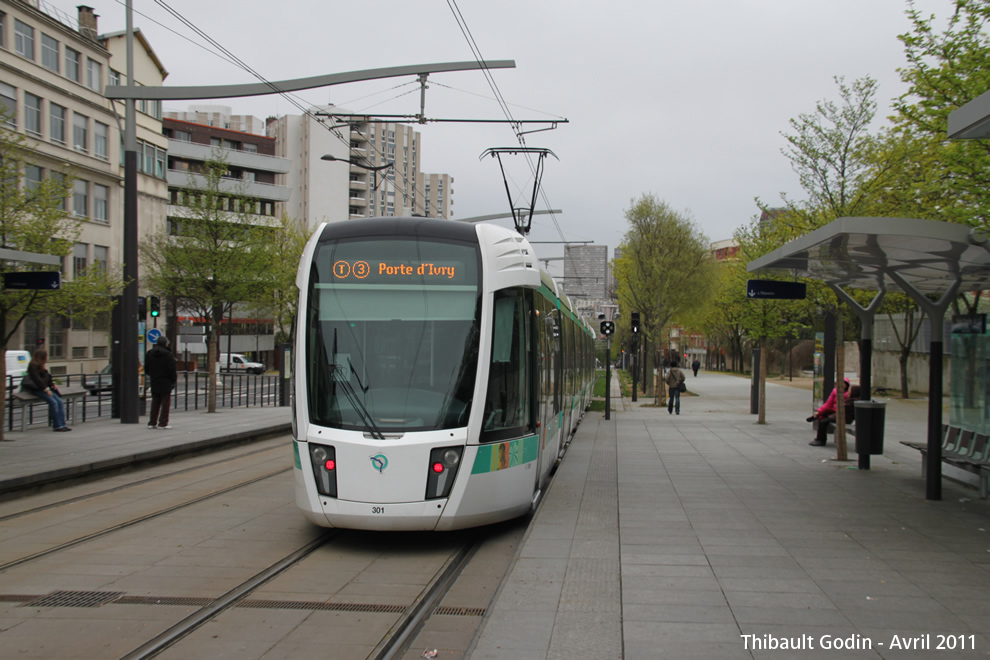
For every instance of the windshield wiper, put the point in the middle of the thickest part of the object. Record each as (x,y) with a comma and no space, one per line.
(355,401)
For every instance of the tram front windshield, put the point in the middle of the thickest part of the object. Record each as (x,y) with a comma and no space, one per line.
(392,334)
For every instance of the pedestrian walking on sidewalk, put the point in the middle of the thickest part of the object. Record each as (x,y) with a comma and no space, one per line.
(39,382)
(159,369)
(675,383)
(695,366)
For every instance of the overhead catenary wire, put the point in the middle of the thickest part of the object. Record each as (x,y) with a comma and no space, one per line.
(476,51)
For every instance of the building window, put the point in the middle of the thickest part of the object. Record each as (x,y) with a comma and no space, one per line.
(160,163)
(113,77)
(100,256)
(80,198)
(72,59)
(101,133)
(56,124)
(100,351)
(250,147)
(3,30)
(80,128)
(79,251)
(182,136)
(59,180)
(56,339)
(8,104)
(49,53)
(32,177)
(24,39)
(80,352)
(101,321)
(100,197)
(94,75)
(32,114)
(32,333)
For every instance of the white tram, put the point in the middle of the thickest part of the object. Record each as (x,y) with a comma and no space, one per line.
(438,375)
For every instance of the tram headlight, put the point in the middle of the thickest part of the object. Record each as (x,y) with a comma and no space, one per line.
(324,461)
(442,470)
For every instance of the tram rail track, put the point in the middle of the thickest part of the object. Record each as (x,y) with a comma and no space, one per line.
(138,520)
(396,640)
(140,482)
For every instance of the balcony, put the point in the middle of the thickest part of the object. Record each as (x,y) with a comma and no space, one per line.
(176,211)
(246,159)
(240,187)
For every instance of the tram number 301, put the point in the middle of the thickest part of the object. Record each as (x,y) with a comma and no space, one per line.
(378,509)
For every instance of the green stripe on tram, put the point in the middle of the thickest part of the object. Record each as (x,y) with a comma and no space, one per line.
(502,455)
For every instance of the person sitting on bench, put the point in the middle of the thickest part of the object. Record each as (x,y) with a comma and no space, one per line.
(826,413)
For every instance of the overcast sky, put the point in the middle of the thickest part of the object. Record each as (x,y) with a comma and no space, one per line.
(686,100)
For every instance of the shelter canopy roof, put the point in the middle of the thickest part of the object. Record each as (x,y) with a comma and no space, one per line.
(861,253)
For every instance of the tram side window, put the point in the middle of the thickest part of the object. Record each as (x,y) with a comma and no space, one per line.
(508,401)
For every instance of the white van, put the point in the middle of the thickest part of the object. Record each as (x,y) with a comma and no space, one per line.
(238,362)
(17,363)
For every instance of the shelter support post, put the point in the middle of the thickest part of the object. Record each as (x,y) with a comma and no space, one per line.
(936,314)
(866,316)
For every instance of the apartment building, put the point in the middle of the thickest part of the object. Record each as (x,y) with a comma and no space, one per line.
(335,190)
(53,70)
(219,116)
(586,276)
(253,169)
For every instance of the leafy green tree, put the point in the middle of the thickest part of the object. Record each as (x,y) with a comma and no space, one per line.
(664,269)
(830,150)
(211,256)
(765,320)
(278,295)
(946,69)
(722,317)
(33,219)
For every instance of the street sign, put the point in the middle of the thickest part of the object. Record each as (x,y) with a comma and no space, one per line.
(776,290)
(153,335)
(40,280)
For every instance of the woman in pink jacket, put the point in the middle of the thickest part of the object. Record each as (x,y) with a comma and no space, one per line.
(826,413)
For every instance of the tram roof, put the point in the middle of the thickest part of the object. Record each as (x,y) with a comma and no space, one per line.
(862,253)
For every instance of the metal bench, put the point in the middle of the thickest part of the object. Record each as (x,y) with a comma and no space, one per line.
(963,449)
(70,395)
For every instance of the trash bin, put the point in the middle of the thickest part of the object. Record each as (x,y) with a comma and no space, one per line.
(869,426)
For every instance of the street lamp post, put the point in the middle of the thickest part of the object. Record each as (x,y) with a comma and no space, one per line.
(374,169)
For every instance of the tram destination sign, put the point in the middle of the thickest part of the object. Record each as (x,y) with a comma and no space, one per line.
(40,280)
(776,290)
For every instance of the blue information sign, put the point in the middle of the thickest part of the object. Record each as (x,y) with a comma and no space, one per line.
(153,335)
(776,289)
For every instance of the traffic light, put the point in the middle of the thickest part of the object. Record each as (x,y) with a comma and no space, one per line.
(608,327)
(142,308)
(155,306)
(635,322)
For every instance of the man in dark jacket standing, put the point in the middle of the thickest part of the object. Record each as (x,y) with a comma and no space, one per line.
(159,369)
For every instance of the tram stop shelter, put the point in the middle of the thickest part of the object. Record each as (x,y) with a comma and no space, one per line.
(927,260)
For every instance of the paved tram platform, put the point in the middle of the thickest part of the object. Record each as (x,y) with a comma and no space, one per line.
(699,535)
(706,535)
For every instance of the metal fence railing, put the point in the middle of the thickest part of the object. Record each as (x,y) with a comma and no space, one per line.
(190,393)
